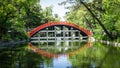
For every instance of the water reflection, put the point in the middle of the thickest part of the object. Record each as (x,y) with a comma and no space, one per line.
(95,56)
(55,51)
(61,62)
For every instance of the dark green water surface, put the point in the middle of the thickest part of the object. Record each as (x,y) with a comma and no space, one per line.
(60,55)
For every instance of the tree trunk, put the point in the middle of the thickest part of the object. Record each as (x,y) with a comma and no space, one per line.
(99,22)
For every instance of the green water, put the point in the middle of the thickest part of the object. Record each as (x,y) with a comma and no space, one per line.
(61,55)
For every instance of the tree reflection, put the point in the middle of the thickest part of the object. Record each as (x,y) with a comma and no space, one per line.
(96,55)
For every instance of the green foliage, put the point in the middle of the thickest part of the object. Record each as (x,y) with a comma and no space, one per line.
(107,11)
(111,16)
(18,15)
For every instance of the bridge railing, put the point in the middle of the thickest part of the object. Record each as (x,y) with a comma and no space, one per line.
(58,39)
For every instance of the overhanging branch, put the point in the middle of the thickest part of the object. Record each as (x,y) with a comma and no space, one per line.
(99,22)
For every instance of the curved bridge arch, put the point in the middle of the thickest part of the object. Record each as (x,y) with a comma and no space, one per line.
(49,24)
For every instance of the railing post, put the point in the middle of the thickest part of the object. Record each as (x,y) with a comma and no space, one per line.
(64,32)
(47,36)
(55,35)
(79,37)
(72,35)
(39,38)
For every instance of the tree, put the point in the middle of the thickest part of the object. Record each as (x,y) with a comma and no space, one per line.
(18,15)
(98,12)
(10,13)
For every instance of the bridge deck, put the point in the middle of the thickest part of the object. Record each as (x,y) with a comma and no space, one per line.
(58,41)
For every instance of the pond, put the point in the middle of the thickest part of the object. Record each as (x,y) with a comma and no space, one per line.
(60,55)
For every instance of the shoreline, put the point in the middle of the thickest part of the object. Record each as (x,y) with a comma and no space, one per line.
(4,44)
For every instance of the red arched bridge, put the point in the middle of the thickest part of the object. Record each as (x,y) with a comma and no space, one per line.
(58,31)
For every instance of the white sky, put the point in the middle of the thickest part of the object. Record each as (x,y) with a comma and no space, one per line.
(60,10)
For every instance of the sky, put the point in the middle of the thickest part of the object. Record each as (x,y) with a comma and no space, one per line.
(57,9)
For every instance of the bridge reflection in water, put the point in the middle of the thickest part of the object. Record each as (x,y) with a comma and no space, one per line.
(53,51)
(60,53)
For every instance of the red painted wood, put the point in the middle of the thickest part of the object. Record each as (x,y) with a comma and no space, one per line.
(59,23)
